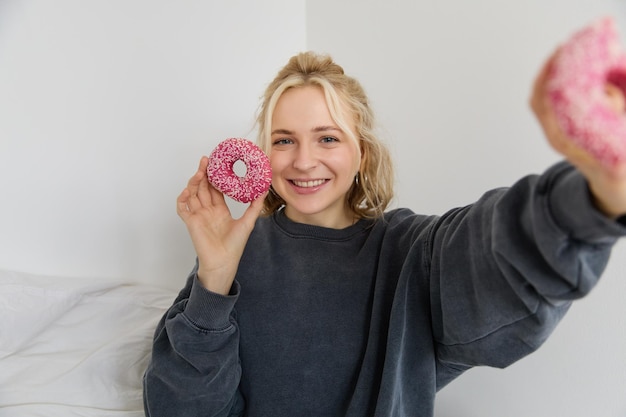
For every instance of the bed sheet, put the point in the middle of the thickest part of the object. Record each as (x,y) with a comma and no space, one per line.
(75,346)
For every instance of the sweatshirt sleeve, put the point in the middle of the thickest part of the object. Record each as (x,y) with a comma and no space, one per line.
(194,369)
(505,270)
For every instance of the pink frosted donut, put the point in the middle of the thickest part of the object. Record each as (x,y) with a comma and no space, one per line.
(589,60)
(258,175)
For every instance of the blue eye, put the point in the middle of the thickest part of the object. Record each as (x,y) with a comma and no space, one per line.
(282,141)
(328,139)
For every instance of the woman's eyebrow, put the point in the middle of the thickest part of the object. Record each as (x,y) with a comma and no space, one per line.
(325,128)
(282,132)
(316,129)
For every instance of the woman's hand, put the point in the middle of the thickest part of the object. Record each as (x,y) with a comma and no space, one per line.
(218,239)
(607,183)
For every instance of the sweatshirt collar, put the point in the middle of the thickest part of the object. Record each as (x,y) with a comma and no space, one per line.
(317,232)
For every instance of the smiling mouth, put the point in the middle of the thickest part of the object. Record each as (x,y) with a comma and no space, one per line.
(308,184)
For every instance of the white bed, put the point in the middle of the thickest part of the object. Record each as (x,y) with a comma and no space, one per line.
(75,346)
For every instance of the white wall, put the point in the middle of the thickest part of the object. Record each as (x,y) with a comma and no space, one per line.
(450,82)
(105,110)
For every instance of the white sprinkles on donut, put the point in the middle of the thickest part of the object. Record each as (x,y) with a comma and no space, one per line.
(255,182)
(589,60)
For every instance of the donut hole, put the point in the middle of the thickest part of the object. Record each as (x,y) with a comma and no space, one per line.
(615,90)
(240,169)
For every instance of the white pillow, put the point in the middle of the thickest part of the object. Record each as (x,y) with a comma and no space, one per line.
(75,346)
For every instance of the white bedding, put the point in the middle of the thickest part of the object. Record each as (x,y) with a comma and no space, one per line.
(75,346)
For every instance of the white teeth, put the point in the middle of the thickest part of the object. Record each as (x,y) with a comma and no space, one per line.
(306,184)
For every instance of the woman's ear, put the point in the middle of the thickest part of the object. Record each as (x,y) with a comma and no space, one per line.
(363,152)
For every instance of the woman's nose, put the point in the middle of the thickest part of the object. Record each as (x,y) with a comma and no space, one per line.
(305,158)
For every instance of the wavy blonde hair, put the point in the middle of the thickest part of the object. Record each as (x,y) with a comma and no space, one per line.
(372,189)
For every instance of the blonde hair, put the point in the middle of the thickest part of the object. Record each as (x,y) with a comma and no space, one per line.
(372,189)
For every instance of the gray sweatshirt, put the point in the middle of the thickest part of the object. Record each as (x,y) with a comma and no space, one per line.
(373,319)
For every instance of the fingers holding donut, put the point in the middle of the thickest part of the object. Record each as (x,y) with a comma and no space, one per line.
(254,210)
(199,196)
(198,185)
(188,200)
(539,102)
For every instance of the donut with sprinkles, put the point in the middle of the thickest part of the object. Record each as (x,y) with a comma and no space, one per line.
(246,188)
(585,65)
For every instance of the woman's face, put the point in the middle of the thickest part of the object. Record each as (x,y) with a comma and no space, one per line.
(314,163)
